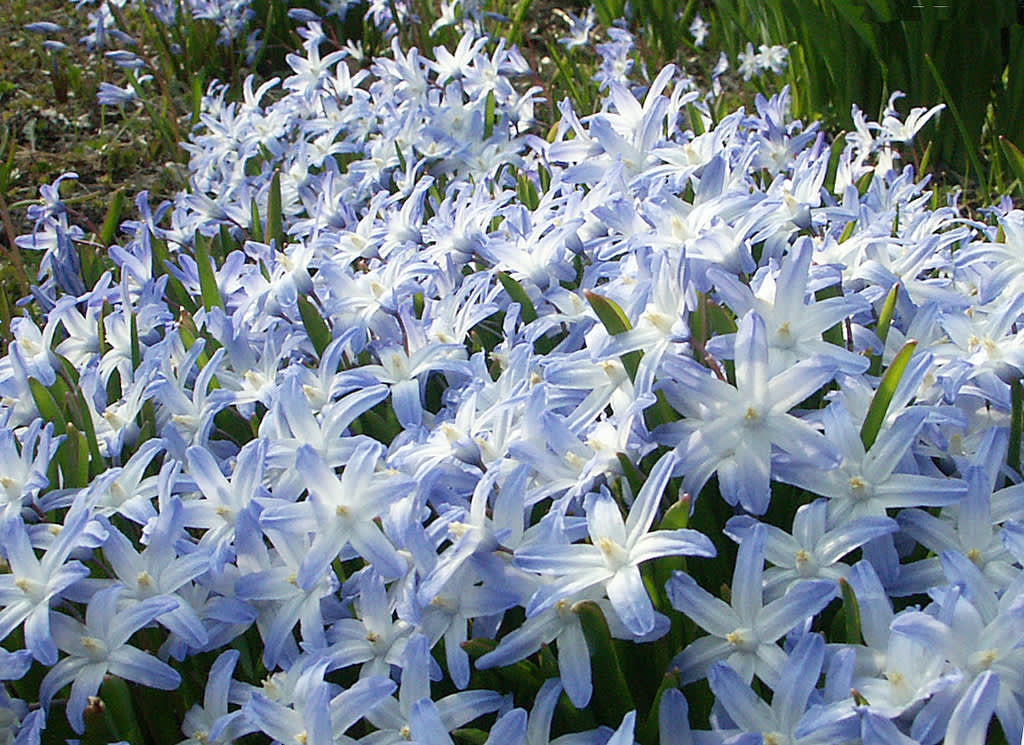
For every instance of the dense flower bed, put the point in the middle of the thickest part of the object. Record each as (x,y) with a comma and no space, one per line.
(407,422)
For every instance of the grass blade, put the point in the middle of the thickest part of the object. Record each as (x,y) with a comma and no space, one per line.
(883,396)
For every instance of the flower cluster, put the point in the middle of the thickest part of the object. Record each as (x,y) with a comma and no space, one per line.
(403,422)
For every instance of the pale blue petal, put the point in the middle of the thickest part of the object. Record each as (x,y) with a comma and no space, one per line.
(709,612)
(59,676)
(524,640)
(38,638)
(377,548)
(791,282)
(415,671)
(574,664)
(204,470)
(559,559)
(693,661)
(929,632)
(802,441)
(624,734)
(674,719)
(425,724)
(969,723)
(752,357)
(976,586)
(316,714)
(461,708)
(215,698)
(645,506)
(604,520)
(744,706)
(273,719)
(802,601)
(565,588)
(137,666)
(681,542)
(405,400)
(798,680)
(510,729)
(875,606)
(745,476)
(810,523)
(892,443)
(85,684)
(351,705)
(795,384)
(839,542)
(117,631)
(934,534)
(748,574)
(629,598)
(877,730)
(914,490)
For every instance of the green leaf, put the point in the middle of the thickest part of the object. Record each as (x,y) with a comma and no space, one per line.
(1015,158)
(315,325)
(1016,425)
(649,729)
(965,134)
(208,289)
(47,406)
(136,347)
(73,456)
(118,699)
(113,218)
(677,516)
(99,727)
(527,311)
(256,230)
(476,648)
(851,612)
(884,322)
(274,233)
(633,475)
(612,695)
(883,396)
(696,120)
(519,15)
(78,411)
(615,322)
(527,192)
(176,292)
(489,114)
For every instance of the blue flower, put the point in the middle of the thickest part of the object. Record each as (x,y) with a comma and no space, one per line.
(732,430)
(613,557)
(31,586)
(100,646)
(744,634)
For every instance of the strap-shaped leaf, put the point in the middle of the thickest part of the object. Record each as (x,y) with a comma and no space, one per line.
(112,219)
(489,115)
(1016,425)
(884,322)
(527,311)
(73,457)
(208,289)
(1015,158)
(883,396)
(851,612)
(275,219)
(615,322)
(612,695)
(315,325)
(47,406)
(256,228)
